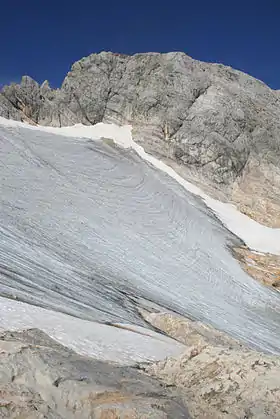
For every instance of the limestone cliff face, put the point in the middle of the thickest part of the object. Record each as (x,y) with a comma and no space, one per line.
(217,126)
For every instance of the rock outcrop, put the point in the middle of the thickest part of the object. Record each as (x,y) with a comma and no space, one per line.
(219,378)
(42,379)
(263,267)
(217,126)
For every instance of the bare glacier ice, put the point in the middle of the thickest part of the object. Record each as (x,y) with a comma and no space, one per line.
(91,230)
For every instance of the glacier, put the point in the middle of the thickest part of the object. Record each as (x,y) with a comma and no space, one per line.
(93,230)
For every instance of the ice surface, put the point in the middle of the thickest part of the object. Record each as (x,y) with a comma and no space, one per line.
(105,342)
(90,229)
(256,236)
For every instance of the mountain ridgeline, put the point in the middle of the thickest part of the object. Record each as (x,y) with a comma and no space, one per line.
(216,126)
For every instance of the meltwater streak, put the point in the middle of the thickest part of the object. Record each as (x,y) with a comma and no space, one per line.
(87,228)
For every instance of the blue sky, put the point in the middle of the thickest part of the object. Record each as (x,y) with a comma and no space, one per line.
(43,38)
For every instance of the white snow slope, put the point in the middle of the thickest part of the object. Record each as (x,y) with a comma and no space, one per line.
(92,230)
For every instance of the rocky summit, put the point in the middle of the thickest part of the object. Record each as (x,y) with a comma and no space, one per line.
(217,126)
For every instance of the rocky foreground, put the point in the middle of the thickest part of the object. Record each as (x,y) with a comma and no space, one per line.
(215,125)
(43,379)
(215,378)
(218,377)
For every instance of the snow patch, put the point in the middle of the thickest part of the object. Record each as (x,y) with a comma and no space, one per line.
(256,236)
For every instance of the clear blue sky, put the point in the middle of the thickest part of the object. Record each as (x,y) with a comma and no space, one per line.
(42,38)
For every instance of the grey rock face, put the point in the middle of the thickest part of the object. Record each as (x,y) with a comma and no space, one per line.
(42,379)
(217,126)
(24,98)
